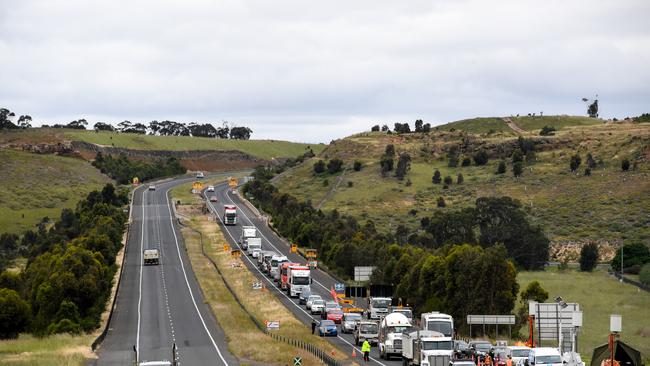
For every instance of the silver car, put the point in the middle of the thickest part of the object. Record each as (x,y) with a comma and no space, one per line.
(350,321)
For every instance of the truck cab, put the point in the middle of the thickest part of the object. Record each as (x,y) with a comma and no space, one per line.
(438,322)
(276,262)
(390,335)
(230,215)
(407,311)
(252,245)
(299,279)
(284,278)
(247,232)
(426,348)
(366,330)
(151,256)
(378,307)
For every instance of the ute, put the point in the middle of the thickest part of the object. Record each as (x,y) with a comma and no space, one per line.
(426,348)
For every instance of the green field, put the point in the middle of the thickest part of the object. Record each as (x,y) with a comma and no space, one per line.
(265,149)
(55,350)
(599,295)
(33,186)
(610,205)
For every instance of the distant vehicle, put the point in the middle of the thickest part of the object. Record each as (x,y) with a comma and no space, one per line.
(252,244)
(265,254)
(461,348)
(350,322)
(519,354)
(546,356)
(304,295)
(317,307)
(210,189)
(390,335)
(151,256)
(335,315)
(327,328)
(366,330)
(407,311)
(480,348)
(438,322)
(330,305)
(247,232)
(152,187)
(426,348)
(284,279)
(255,253)
(275,264)
(230,215)
(214,199)
(199,175)
(378,307)
(157,363)
(311,299)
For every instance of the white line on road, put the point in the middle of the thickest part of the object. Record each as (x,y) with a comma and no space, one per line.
(137,337)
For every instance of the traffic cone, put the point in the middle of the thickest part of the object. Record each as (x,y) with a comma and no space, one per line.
(354,352)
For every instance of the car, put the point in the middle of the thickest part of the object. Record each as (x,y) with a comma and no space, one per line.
(213,199)
(305,294)
(480,348)
(311,299)
(350,321)
(335,315)
(461,349)
(327,328)
(547,356)
(519,354)
(329,305)
(152,187)
(317,307)
(462,363)
(210,188)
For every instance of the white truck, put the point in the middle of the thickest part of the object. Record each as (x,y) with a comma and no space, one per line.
(426,348)
(253,244)
(151,256)
(247,232)
(438,322)
(299,278)
(276,262)
(390,335)
(230,215)
(378,307)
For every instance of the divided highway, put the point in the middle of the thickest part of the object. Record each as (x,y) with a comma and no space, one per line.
(322,282)
(160,305)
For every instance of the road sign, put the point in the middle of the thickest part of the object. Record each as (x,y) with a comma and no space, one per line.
(136,181)
(363,273)
(235,253)
(297,361)
(313,264)
(257,285)
(294,248)
(339,287)
(274,324)
(232,182)
(226,247)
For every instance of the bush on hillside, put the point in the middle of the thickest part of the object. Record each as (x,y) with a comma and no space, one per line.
(448,181)
(375,128)
(403,166)
(575,162)
(635,254)
(501,169)
(517,169)
(466,162)
(644,274)
(436,179)
(124,170)
(517,156)
(334,166)
(625,165)
(460,179)
(441,202)
(588,257)
(386,164)
(547,131)
(14,314)
(357,165)
(481,158)
(319,167)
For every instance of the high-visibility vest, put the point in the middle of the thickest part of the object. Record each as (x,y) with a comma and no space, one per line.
(509,362)
(365,347)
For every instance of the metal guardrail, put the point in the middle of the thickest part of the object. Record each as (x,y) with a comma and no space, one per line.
(631,282)
(311,348)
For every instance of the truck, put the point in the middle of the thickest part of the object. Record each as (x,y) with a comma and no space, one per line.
(426,348)
(406,310)
(378,307)
(299,278)
(390,335)
(151,256)
(366,330)
(253,243)
(276,262)
(438,322)
(230,215)
(284,278)
(247,232)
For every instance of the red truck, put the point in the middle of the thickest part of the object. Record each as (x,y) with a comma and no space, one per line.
(284,279)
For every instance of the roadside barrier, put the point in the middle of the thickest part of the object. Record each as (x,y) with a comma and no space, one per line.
(309,347)
(631,282)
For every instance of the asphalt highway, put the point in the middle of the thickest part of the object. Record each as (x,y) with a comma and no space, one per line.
(322,282)
(161,305)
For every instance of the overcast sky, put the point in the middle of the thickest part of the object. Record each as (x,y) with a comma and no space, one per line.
(318,70)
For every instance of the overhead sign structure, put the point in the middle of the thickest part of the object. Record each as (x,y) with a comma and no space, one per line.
(496,320)
(363,273)
(558,321)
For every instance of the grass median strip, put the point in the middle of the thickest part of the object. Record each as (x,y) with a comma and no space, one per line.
(245,340)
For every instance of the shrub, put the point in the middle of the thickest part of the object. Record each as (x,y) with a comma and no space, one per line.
(408,182)
(357,165)
(633,254)
(441,202)
(587,172)
(460,179)
(517,156)
(350,183)
(390,150)
(436,177)
(334,166)
(375,128)
(501,169)
(319,167)
(575,162)
(517,169)
(644,275)
(14,314)
(625,165)
(326,183)
(403,166)
(588,257)
(481,158)
(386,164)
(448,181)
(547,131)
(466,162)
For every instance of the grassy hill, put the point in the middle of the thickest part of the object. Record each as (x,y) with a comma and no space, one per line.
(610,206)
(496,125)
(33,186)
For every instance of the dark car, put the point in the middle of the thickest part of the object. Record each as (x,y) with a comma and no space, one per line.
(327,328)
(480,348)
(461,349)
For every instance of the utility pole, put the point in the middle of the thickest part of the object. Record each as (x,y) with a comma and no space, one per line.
(621,263)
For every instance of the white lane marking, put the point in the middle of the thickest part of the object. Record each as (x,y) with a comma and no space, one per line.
(137,337)
(178,250)
(269,281)
(265,238)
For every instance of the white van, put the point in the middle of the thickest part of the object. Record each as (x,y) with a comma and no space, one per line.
(546,356)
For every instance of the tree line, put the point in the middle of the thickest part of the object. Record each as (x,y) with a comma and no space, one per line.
(124,170)
(158,128)
(69,271)
(474,251)
(420,127)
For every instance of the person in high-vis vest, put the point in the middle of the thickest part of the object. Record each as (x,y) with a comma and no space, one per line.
(365,348)
(509,361)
